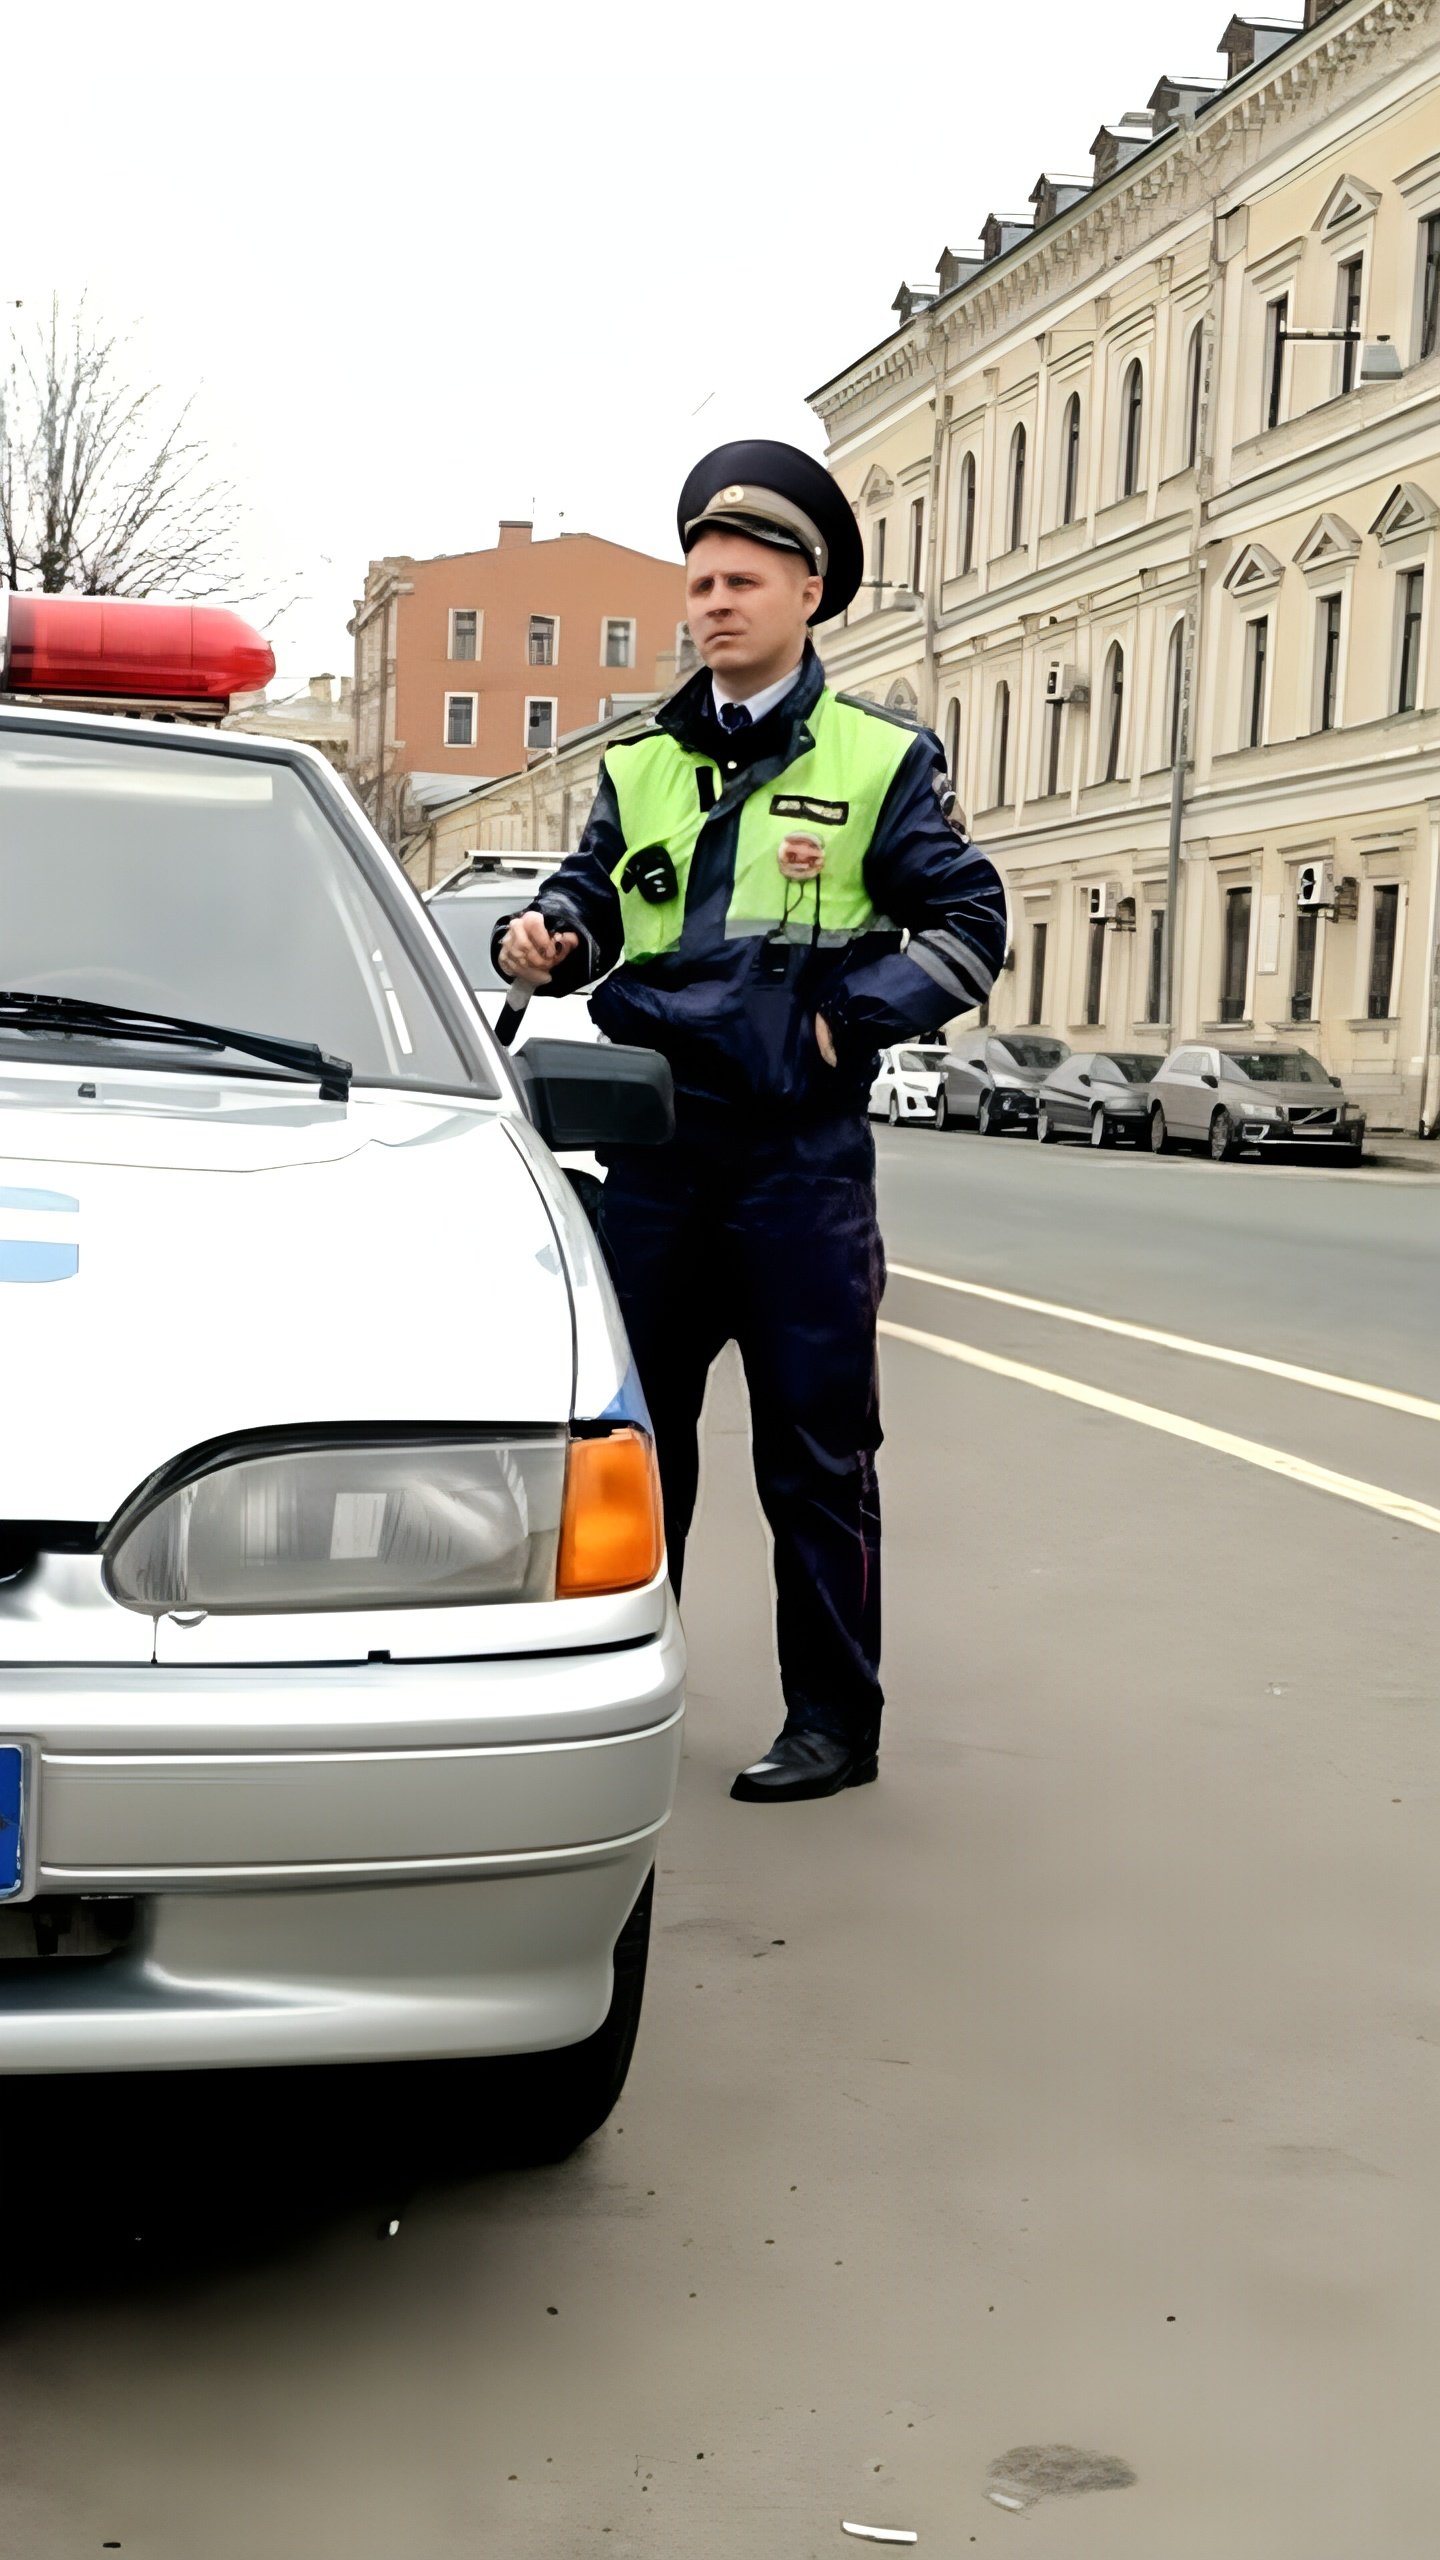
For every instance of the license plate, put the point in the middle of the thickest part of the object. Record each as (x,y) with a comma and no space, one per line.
(14,1810)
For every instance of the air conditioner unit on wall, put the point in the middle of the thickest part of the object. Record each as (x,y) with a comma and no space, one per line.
(1104,897)
(1315,886)
(1065,683)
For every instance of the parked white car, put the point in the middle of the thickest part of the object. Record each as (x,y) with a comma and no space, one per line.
(342,1680)
(908,1082)
(467,910)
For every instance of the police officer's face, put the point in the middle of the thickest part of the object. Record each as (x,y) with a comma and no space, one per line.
(748,606)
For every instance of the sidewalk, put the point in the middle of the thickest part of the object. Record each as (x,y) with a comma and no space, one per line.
(1397,1153)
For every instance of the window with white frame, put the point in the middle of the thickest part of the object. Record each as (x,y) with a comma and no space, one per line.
(1409,630)
(967,515)
(1113,702)
(544,640)
(1070,434)
(1095,973)
(1329,636)
(1000,747)
(1235,954)
(1428,339)
(465,624)
(1303,964)
(952,742)
(617,641)
(917,546)
(1132,430)
(1174,693)
(1194,384)
(1349,304)
(1384,946)
(1256,681)
(1015,511)
(1277,322)
(540,711)
(460,718)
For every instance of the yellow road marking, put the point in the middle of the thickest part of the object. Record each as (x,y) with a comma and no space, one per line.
(1324,1379)
(1254,1453)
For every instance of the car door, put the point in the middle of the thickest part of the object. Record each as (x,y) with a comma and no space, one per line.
(1191,1117)
(1064,1098)
(968,1079)
(884,1085)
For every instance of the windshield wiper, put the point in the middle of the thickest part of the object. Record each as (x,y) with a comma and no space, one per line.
(173,1031)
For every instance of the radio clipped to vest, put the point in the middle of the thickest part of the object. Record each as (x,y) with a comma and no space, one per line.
(652,872)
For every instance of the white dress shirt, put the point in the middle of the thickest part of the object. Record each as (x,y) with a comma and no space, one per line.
(757,704)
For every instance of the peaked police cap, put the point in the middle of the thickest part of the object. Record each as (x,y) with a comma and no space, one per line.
(775,493)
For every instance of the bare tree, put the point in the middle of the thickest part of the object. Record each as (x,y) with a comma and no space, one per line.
(99,496)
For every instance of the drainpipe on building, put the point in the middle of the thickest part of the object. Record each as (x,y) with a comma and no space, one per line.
(1430,1069)
(939,448)
(1194,619)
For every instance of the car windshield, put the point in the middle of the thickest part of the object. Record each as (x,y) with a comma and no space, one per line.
(171,879)
(1134,1069)
(1031,1054)
(921,1062)
(467,924)
(1271,1066)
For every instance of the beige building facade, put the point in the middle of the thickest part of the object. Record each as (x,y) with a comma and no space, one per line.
(1163,575)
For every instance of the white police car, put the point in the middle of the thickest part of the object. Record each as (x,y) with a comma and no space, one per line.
(340,1678)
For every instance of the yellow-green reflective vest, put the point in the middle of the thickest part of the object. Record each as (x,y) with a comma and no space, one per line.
(835,792)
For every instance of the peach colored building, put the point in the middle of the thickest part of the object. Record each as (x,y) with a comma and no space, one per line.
(468,666)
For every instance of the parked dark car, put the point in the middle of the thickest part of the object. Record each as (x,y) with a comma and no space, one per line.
(1102,1095)
(993,1079)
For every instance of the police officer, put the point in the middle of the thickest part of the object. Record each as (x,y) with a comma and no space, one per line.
(751,862)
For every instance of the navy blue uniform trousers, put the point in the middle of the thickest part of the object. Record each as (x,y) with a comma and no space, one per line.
(767,1237)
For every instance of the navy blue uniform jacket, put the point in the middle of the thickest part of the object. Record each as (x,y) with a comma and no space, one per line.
(735,1034)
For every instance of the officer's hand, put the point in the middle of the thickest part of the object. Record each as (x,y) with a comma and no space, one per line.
(531,953)
(824,1042)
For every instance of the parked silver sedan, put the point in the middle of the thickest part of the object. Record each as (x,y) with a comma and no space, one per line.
(1102,1095)
(993,1079)
(1270,1099)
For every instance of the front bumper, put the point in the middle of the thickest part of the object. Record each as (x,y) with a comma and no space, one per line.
(1274,1134)
(417,1859)
(1014,1110)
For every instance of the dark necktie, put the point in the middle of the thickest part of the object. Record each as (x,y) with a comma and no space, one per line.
(734,715)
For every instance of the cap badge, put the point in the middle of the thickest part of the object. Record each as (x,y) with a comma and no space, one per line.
(732,496)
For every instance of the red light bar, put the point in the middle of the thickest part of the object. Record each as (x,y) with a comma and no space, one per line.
(114,647)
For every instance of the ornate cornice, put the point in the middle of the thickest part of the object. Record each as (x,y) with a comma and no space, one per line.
(1201,163)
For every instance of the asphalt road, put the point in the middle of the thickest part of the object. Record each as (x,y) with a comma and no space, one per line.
(1076,2086)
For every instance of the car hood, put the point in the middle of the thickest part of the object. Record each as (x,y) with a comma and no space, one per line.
(1308,1097)
(181,1259)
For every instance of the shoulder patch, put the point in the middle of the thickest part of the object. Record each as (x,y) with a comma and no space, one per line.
(880,711)
(950,809)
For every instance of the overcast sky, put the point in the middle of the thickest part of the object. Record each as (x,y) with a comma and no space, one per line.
(427,265)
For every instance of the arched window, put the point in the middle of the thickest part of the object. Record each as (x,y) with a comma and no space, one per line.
(1174,679)
(1001,792)
(1194,374)
(952,741)
(1070,460)
(1017,489)
(1132,429)
(1114,711)
(967,515)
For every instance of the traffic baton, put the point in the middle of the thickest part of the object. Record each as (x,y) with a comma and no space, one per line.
(512,1012)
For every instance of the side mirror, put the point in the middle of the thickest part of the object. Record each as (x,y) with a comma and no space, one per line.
(1212,1081)
(1335,1080)
(584,1094)
(1085,1079)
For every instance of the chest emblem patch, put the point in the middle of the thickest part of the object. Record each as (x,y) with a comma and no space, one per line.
(825,813)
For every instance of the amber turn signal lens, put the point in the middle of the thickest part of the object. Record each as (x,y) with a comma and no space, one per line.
(612,1535)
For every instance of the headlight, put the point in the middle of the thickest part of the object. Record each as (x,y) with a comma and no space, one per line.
(1262,1111)
(390,1525)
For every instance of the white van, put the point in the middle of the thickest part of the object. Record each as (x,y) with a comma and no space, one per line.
(340,1677)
